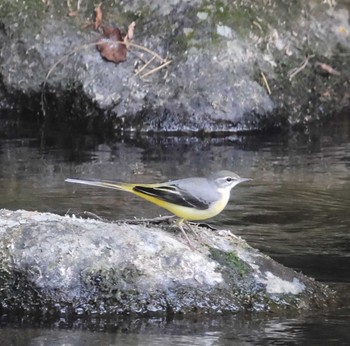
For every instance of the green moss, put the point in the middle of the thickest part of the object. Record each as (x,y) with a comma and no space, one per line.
(123,19)
(182,42)
(26,11)
(238,17)
(245,17)
(222,11)
(231,260)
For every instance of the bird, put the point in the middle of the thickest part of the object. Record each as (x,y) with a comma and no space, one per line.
(190,199)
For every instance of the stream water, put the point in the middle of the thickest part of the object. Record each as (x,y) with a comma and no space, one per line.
(296,209)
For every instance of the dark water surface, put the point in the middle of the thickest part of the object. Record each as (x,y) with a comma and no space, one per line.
(296,209)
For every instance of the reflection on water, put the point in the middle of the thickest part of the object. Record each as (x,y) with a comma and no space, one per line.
(252,329)
(296,209)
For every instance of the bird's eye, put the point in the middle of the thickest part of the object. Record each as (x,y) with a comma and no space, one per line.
(229,179)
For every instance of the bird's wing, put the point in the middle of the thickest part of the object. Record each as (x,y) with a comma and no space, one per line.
(172,193)
(191,193)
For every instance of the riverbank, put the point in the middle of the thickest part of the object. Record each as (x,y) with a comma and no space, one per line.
(233,67)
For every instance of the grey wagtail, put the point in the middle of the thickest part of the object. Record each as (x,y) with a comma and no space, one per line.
(191,199)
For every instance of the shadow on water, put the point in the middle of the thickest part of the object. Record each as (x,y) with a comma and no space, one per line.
(296,209)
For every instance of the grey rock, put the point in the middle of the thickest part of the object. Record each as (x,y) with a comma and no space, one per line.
(220,54)
(69,266)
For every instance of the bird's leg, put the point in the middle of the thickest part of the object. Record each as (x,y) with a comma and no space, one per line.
(192,229)
(180,225)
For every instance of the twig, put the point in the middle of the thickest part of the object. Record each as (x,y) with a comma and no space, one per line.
(145,65)
(292,73)
(266,83)
(155,220)
(156,69)
(89,213)
(144,49)
(257,25)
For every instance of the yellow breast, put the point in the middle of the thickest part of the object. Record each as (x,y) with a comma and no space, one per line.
(192,214)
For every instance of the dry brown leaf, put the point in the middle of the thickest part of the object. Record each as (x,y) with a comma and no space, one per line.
(98,17)
(111,46)
(130,35)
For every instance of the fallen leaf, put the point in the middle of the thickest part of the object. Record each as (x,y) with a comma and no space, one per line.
(342,30)
(112,33)
(111,46)
(73,13)
(130,35)
(327,68)
(98,17)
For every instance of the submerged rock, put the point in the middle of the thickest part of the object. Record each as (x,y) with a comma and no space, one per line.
(68,266)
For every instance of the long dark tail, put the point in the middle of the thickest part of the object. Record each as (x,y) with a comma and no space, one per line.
(99,183)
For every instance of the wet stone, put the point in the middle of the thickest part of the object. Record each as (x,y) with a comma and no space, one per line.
(68,265)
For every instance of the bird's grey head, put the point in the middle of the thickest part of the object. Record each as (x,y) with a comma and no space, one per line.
(226,179)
